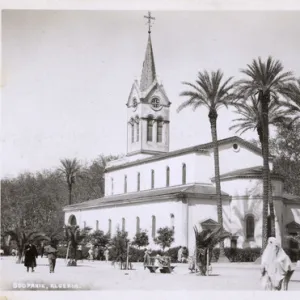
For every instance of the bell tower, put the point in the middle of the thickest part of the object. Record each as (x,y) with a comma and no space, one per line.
(148,109)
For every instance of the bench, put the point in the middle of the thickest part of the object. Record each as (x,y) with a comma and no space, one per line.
(152,269)
(166,269)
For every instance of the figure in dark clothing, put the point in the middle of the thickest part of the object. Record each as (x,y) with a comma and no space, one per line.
(30,256)
(52,251)
(42,250)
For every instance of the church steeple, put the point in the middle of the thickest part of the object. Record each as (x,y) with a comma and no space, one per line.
(148,110)
(148,72)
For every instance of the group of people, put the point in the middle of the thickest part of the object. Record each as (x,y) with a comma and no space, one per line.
(276,266)
(31,254)
(182,255)
(94,253)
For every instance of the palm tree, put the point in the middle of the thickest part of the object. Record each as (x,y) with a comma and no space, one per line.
(22,237)
(70,168)
(74,236)
(210,92)
(293,103)
(268,82)
(252,120)
(206,241)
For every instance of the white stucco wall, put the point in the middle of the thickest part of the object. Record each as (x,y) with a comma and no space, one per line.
(202,210)
(161,210)
(199,168)
(231,160)
(175,164)
(247,199)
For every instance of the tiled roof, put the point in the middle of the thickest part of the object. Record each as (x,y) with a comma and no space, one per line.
(198,148)
(148,72)
(289,198)
(253,172)
(148,195)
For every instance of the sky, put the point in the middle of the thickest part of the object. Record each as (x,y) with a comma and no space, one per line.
(66,75)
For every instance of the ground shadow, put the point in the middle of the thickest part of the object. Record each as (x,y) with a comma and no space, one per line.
(211,275)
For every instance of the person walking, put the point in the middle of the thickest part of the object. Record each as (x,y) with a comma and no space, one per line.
(276,267)
(91,254)
(52,253)
(31,254)
(179,254)
(106,254)
(42,249)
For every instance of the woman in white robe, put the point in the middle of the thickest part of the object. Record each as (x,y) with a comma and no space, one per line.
(276,267)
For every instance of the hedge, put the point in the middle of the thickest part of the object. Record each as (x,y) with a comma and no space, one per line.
(238,254)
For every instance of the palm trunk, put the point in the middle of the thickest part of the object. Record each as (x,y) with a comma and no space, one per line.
(213,125)
(266,184)
(70,193)
(271,204)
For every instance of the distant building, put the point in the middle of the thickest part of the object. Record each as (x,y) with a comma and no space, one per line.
(153,187)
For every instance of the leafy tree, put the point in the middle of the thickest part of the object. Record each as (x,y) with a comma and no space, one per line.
(206,241)
(285,146)
(165,237)
(268,81)
(210,92)
(70,169)
(141,239)
(99,239)
(74,236)
(119,244)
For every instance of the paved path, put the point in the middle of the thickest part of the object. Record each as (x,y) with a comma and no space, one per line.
(103,276)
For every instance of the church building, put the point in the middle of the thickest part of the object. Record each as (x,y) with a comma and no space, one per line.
(153,187)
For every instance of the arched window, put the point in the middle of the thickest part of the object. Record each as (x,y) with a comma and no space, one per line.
(137,225)
(167,176)
(152,179)
(159,130)
(125,184)
(109,226)
(123,224)
(250,226)
(172,221)
(72,220)
(183,174)
(97,225)
(153,226)
(112,186)
(138,181)
(137,120)
(132,132)
(149,129)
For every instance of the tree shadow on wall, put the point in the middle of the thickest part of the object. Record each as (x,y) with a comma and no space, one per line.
(247,207)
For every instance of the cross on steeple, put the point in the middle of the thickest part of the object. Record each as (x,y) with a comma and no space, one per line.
(149,17)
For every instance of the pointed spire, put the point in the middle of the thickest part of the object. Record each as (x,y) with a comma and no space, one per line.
(148,72)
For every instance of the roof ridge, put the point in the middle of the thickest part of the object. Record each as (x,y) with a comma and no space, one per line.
(148,71)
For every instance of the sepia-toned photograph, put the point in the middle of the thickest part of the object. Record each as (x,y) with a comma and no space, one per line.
(150,150)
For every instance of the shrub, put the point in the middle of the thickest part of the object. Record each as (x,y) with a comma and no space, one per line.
(238,254)
(62,252)
(141,239)
(136,255)
(173,253)
(294,254)
(165,237)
